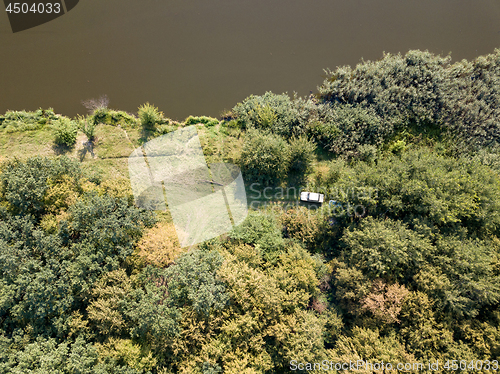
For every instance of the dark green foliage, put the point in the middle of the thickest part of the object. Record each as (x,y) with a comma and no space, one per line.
(341,129)
(265,157)
(56,271)
(428,191)
(65,131)
(423,93)
(276,113)
(192,281)
(409,87)
(153,318)
(24,184)
(386,249)
(301,154)
(46,276)
(261,230)
(48,356)
(472,100)
(466,280)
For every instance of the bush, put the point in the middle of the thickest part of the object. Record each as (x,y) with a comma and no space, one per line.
(26,187)
(149,116)
(112,117)
(472,98)
(208,121)
(119,117)
(261,230)
(14,121)
(269,112)
(301,154)
(343,128)
(367,153)
(386,249)
(301,225)
(65,131)
(424,93)
(87,126)
(409,86)
(265,157)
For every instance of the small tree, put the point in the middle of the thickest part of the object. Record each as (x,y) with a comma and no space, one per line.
(150,116)
(301,154)
(65,131)
(265,157)
(87,126)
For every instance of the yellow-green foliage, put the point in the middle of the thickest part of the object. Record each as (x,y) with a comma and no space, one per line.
(207,121)
(369,345)
(65,131)
(301,224)
(17,121)
(126,352)
(150,116)
(60,194)
(104,310)
(112,117)
(159,246)
(118,188)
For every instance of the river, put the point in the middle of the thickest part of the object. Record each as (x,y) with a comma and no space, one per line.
(200,57)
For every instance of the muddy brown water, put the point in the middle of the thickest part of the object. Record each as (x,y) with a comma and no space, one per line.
(200,57)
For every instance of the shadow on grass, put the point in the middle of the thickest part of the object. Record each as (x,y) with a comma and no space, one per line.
(146,135)
(62,149)
(88,147)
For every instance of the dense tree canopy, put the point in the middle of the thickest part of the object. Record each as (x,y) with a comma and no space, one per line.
(401,263)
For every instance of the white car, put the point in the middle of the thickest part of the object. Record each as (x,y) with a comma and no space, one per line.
(312,197)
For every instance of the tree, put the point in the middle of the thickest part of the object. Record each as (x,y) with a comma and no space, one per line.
(386,249)
(276,113)
(265,157)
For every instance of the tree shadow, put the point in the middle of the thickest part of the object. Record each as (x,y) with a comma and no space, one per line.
(62,149)
(88,147)
(146,135)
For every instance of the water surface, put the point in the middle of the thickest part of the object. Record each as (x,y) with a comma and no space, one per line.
(202,56)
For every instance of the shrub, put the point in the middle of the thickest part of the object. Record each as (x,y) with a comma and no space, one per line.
(269,112)
(421,188)
(397,147)
(265,157)
(119,117)
(112,117)
(65,131)
(149,116)
(472,100)
(301,154)
(368,153)
(343,128)
(87,126)
(14,121)
(300,224)
(263,231)
(208,121)
(386,249)
(409,86)
(101,115)
(426,94)
(28,186)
